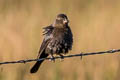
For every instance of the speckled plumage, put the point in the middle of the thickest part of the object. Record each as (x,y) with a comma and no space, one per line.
(58,40)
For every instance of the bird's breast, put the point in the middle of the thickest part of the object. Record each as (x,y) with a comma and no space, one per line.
(60,42)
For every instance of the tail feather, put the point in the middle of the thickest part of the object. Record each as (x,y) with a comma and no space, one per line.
(35,68)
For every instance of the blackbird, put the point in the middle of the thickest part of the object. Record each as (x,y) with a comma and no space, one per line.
(58,39)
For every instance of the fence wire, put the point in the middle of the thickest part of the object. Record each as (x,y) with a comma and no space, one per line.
(58,57)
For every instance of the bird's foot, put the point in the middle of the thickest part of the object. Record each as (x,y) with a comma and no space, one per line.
(52,58)
(62,57)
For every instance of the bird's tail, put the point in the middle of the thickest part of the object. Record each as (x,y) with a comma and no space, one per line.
(35,68)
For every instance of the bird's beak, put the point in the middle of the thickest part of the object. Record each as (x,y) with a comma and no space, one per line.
(66,21)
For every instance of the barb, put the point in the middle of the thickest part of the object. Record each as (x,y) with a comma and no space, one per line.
(69,56)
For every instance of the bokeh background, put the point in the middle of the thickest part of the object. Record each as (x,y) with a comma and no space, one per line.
(95,25)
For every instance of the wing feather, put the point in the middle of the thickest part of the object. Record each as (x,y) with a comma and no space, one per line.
(47,38)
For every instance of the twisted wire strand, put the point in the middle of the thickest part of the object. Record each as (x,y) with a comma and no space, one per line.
(57,57)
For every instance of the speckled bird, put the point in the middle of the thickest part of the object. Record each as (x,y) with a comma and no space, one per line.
(58,39)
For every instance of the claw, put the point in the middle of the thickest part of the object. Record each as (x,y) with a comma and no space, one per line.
(62,57)
(52,58)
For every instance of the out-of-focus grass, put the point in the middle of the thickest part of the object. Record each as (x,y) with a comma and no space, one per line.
(95,26)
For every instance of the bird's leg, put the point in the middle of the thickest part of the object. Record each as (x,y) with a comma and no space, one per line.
(52,58)
(62,57)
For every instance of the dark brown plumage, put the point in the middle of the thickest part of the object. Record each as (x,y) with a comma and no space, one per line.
(58,40)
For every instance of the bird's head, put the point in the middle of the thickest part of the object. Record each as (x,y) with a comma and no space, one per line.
(61,20)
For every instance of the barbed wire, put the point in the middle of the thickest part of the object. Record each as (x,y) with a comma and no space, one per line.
(57,57)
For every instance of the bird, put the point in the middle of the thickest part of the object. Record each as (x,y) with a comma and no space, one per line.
(58,39)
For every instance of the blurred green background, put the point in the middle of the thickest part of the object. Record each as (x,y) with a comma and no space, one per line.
(95,25)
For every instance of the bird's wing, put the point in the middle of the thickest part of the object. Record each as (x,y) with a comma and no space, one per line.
(47,38)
